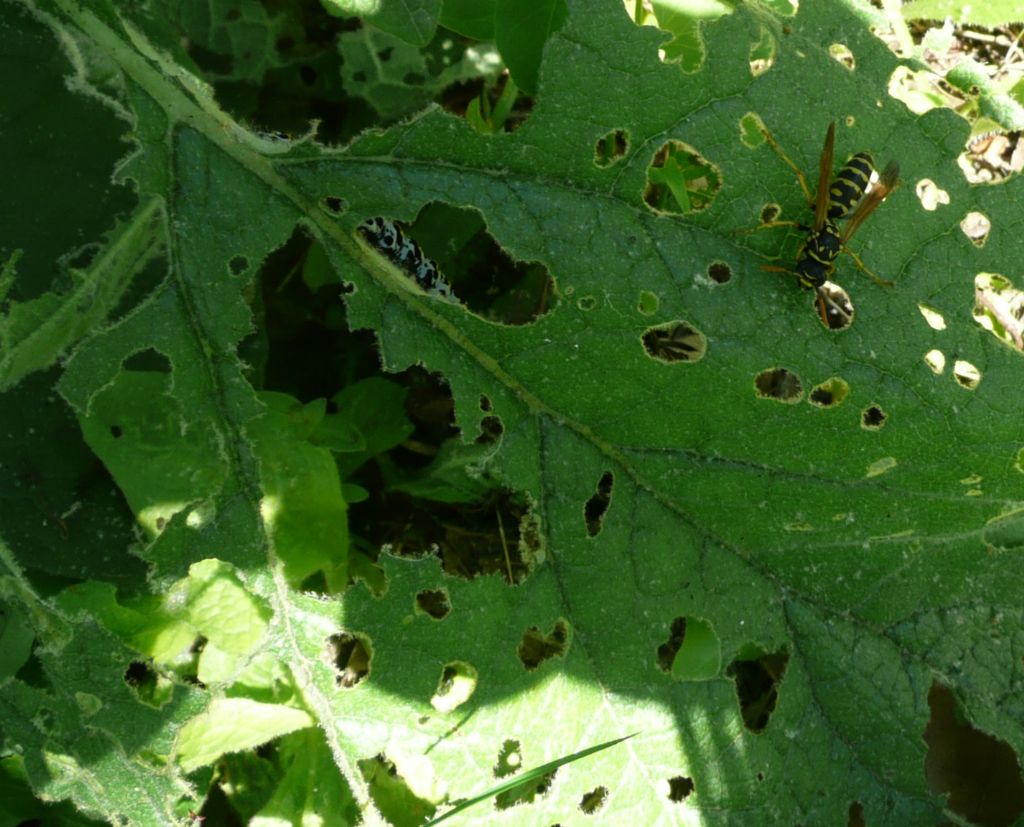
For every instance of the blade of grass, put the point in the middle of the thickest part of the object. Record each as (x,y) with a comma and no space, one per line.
(526,777)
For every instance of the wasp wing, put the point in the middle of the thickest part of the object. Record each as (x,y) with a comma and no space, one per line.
(869,203)
(824,177)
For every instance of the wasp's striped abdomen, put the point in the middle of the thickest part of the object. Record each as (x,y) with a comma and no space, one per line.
(816,259)
(850,185)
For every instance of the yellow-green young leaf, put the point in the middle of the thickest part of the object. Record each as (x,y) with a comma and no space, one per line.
(232,725)
(146,624)
(221,608)
(295,800)
(302,507)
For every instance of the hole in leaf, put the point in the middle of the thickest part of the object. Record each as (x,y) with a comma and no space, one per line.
(474,529)
(692,651)
(762,53)
(491,430)
(189,669)
(510,759)
(300,294)
(351,655)
(686,47)
(855,815)
(611,148)
(930,195)
(842,54)
(238,265)
(395,798)
(525,793)
(490,106)
(769,212)
(414,79)
(148,361)
(916,89)
(433,602)
(594,800)
(966,374)
(839,309)
(116,431)
(82,257)
(586,303)
(456,686)
(680,180)
(679,788)
(485,404)
(978,772)
(830,392)
(667,650)
(648,304)
(536,647)
(384,55)
(334,205)
(139,673)
(152,688)
(597,505)
(976,227)
(936,361)
(779,384)
(719,272)
(757,677)
(999,308)
(992,157)
(391,239)
(675,342)
(935,320)
(872,418)
(483,276)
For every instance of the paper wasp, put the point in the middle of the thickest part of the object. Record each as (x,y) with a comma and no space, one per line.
(850,196)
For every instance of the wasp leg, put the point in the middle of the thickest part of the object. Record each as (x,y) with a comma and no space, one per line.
(870,273)
(834,316)
(799,175)
(769,225)
(834,306)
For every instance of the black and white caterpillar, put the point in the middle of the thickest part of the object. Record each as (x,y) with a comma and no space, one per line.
(387,237)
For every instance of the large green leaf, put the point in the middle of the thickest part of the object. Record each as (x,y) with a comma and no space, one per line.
(853,542)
